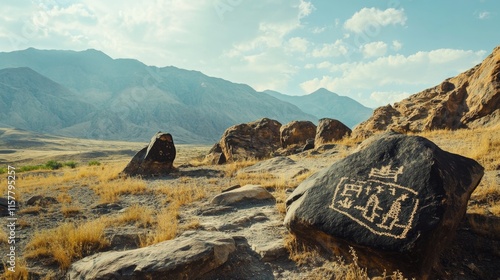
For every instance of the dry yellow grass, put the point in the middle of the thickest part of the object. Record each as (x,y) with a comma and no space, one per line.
(480,144)
(68,242)
(299,252)
(166,226)
(4,237)
(233,167)
(21,271)
(64,198)
(142,216)
(31,210)
(109,191)
(70,210)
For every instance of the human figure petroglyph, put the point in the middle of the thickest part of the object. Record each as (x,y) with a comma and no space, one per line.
(371,208)
(377,204)
(393,214)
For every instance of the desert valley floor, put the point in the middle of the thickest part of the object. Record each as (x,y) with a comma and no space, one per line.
(69,213)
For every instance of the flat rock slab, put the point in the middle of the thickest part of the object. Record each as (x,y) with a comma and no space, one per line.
(398,202)
(189,256)
(243,194)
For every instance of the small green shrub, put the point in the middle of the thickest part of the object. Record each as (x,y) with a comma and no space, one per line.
(53,165)
(70,164)
(3,170)
(31,168)
(94,162)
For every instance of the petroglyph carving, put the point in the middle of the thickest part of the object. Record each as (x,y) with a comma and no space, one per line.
(360,200)
(385,172)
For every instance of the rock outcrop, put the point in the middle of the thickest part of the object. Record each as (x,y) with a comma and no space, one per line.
(266,138)
(296,133)
(330,130)
(242,194)
(256,139)
(189,256)
(469,100)
(398,202)
(155,159)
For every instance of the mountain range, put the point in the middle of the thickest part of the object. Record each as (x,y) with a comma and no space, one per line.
(88,94)
(326,104)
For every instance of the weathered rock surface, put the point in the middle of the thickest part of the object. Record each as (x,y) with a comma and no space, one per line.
(39,200)
(296,133)
(243,194)
(256,139)
(330,130)
(155,159)
(471,99)
(189,256)
(215,155)
(398,202)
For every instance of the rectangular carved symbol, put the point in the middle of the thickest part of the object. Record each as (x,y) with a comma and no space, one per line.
(377,202)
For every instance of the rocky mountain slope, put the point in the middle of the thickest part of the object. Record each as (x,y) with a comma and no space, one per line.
(31,101)
(469,100)
(326,104)
(130,100)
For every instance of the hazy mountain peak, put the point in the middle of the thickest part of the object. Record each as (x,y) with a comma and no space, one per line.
(325,104)
(321,91)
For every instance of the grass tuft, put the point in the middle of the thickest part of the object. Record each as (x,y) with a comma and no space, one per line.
(68,242)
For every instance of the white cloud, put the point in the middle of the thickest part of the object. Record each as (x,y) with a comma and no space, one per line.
(374,49)
(297,44)
(367,18)
(396,45)
(324,65)
(305,8)
(331,50)
(388,97)
(318,30)
(484,15)
(416,71)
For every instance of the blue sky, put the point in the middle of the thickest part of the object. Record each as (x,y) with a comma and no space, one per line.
(376,52)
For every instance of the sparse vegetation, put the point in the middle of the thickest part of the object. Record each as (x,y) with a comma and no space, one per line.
(94,163)
(21,272)
(233,167)
(53,165)
(70,210)
(68,242)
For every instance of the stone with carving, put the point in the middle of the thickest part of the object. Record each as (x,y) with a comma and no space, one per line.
(398,202)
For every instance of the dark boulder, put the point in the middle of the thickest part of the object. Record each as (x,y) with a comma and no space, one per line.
(397,202)
(258,139)
(330,130)
(155,159)
(296,133)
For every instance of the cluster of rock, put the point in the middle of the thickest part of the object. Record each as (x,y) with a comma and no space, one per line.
(265,137)
(397,202)
(469,100)
(219,250)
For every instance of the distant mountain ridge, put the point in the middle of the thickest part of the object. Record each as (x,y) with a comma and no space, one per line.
(325,104)
(123,99)
(88,94)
